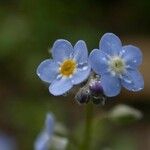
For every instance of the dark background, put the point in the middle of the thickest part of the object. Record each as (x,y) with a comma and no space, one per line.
(28,28)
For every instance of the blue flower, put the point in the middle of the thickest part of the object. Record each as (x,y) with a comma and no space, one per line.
(117,65)
(7,143)
(44,140)
(47,139)
(69,66)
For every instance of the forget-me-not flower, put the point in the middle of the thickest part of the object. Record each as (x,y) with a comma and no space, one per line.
(7,143)
(68,67)
(44,140)
(47,139)
(117,65)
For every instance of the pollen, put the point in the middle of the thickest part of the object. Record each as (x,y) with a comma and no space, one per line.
(68,67)
(117,65)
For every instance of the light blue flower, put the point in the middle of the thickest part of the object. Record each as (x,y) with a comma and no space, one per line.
(44,140)
(7,143)
(47,139)
(117,65)
(68,67)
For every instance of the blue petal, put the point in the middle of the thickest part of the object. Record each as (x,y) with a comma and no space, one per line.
(60,86)
(133,80)
(80,52)
(132,55)
(98,61)
(47,70)
(111,85)
(61,50)
(81,74)
(6,142)
(49,123)
(110,44)
(43,142)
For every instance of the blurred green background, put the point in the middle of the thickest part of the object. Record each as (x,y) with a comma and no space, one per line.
(28,29)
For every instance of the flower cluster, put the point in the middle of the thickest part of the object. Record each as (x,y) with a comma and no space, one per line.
(104,71)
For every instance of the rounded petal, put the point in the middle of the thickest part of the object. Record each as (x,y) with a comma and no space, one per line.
(47,70)
(110,44)
(132,55)
(133,80)
(111,85)
(61,50)
(98,61)
(60,86)
(81,74)
(80,52)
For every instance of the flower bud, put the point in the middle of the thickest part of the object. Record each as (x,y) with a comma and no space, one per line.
(99,100)
(59,143)
(96,91)
(95,87)
(124,114)
(83,95)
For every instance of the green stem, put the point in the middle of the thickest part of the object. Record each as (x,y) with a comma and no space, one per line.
(88,128)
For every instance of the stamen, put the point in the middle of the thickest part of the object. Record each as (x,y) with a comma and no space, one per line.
(68,67)
(117,65)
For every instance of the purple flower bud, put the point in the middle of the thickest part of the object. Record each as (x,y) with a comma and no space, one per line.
(96,91)
(95,87)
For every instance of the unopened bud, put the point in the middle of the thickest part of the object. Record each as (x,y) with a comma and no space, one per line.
(95,87)
(124,114)
(83,96)
(96,91)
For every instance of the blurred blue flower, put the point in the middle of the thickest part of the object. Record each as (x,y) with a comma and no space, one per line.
(117,65)
(69,66)
(43,142)
(47,139)
(7,143)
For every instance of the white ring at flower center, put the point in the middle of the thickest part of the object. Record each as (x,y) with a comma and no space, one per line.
(116,65)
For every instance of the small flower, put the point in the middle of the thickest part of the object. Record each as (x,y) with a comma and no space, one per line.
(69,66)
(117,65)
(7,143)
(47,139)
(44,140)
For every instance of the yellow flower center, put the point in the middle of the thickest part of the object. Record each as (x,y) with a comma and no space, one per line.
(117,65)
(68,67)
